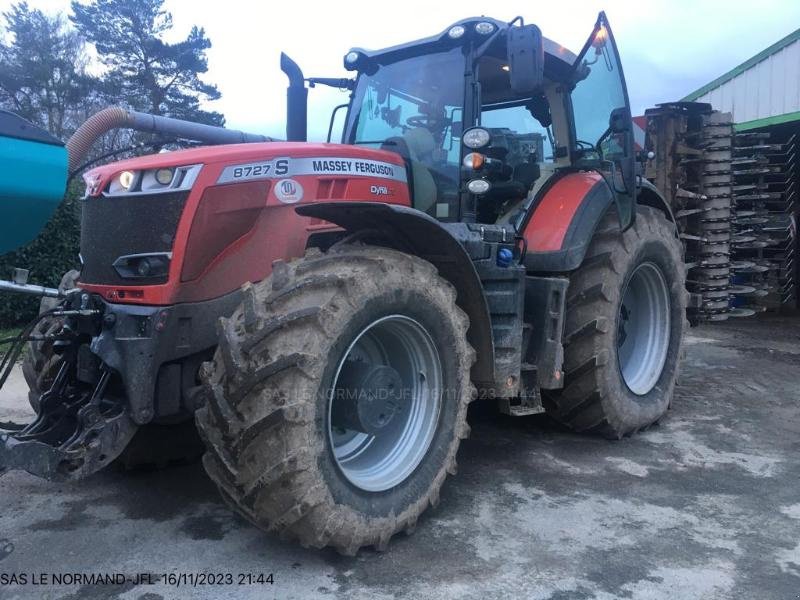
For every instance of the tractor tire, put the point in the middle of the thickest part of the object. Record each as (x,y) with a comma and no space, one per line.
(280,447)
(39,363)
(153,445)
(624,326)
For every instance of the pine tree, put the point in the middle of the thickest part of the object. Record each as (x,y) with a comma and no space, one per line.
(144,71)
(43,71)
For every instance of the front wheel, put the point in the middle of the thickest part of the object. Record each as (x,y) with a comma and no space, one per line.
(40,364)
(337,398)
(626,312)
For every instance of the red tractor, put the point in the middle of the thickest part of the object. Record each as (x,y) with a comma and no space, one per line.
(326,312)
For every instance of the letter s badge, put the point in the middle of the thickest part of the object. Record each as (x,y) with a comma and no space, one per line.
(282,166)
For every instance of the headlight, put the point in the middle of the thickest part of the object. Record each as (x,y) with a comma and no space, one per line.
(153,181)
(484,28)
(164,176)
(479,186)
(126,179)
(476,137)
(352,60)
(143,266)
(456,31)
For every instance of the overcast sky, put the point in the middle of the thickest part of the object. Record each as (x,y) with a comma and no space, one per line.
(668,48)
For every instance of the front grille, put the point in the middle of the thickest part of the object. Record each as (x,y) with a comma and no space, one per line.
(116,226)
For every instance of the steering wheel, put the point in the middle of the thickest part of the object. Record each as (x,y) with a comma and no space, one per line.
(584,145)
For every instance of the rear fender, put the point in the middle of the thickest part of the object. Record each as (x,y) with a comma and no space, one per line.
(649,195)
(415,232)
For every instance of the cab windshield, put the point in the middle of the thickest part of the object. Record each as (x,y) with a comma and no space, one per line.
(414,107)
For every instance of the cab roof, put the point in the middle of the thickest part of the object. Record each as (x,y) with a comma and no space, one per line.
(559,57)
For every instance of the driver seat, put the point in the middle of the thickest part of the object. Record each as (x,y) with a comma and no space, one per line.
(415,144)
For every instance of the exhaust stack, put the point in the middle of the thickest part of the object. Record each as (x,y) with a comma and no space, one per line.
(296,101)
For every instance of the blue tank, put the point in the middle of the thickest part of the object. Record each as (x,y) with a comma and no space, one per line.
(33,177)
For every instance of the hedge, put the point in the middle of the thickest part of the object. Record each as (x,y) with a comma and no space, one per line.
(47,257)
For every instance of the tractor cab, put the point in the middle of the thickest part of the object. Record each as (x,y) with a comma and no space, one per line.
(487,112)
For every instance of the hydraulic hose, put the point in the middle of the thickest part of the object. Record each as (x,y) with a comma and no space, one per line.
(116,117)
(90,131)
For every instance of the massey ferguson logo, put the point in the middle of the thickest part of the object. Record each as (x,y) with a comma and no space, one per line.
(288,191)
(288,188)
(380,190)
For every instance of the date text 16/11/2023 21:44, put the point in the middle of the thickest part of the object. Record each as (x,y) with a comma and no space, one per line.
(174,579)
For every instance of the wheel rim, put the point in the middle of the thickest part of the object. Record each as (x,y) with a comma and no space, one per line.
(644,326)
(379,460)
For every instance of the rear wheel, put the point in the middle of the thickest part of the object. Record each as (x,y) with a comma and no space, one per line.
(337,399)
(625,319)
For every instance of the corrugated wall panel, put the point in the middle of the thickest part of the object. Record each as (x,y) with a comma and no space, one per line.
(767,89)
(739,95)
(777,99)
(791,78)
(751,82)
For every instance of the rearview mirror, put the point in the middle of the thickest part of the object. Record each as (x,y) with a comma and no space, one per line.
(618,120)
(525,59)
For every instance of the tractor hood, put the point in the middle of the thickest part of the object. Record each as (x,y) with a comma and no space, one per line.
(209,218)
(241,162)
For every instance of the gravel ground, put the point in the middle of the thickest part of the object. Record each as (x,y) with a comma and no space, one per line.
(704,505)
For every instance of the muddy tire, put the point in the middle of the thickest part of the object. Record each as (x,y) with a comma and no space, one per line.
(273,419)
(625,320)
(39,366)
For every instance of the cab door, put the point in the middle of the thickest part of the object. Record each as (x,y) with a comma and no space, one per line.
(601,111)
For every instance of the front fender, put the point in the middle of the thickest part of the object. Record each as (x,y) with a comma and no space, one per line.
(417,233)
(561,221)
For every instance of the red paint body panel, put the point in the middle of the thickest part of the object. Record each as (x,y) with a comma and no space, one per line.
(546,229)
(277,231)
